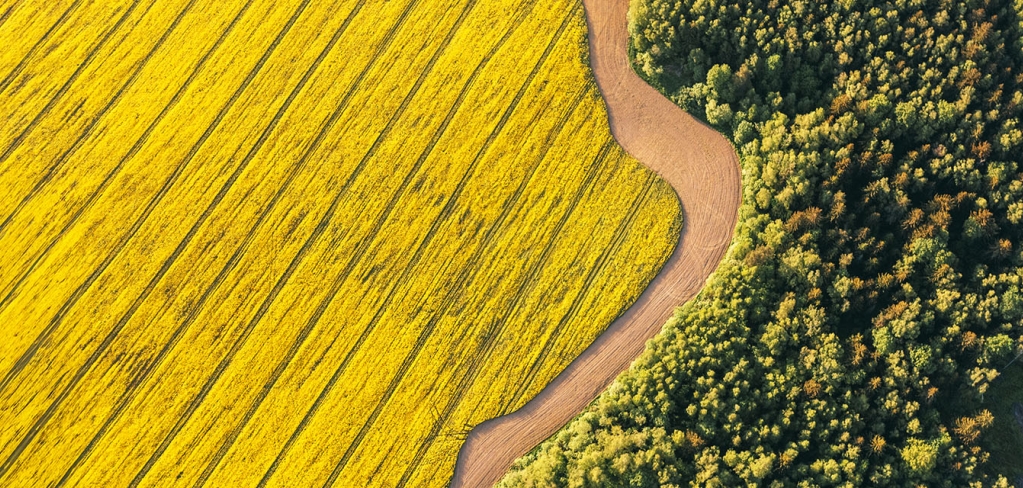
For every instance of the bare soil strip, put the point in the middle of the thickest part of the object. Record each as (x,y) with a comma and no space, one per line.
(703,168)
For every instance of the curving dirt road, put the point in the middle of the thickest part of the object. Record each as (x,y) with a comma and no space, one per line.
(703,168)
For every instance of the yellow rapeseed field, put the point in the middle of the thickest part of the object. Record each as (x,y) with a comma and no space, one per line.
(296,242)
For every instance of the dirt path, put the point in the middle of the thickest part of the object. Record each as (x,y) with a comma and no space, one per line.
(703,168)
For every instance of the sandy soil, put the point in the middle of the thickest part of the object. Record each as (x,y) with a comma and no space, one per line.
(703,168)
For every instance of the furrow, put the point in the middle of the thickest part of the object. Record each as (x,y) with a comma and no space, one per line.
(67,85)
(59,162)
(449,205)
(240,251)
(35,47)
(225,362)
(497,327)
(619,236)
(7,13)
(45,334)
(236,257)
(166,265)
(510,204)
(322,306)
(23,360)
(350,265)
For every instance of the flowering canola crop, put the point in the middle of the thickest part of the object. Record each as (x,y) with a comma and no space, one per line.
(291,243)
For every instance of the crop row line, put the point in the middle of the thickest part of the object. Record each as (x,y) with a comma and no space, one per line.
(294,349)
(498,325)
(171,343)
(225,362)
(16,143)
(138,223)
(7,13)
(136,147)
(23,360)
(60,161)
(35,47)
(451,362)
(509,205)
(462,279)
(613,246)
(321,308)
(321,227)
(364,245)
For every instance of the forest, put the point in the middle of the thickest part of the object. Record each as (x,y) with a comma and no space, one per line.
(861,327)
